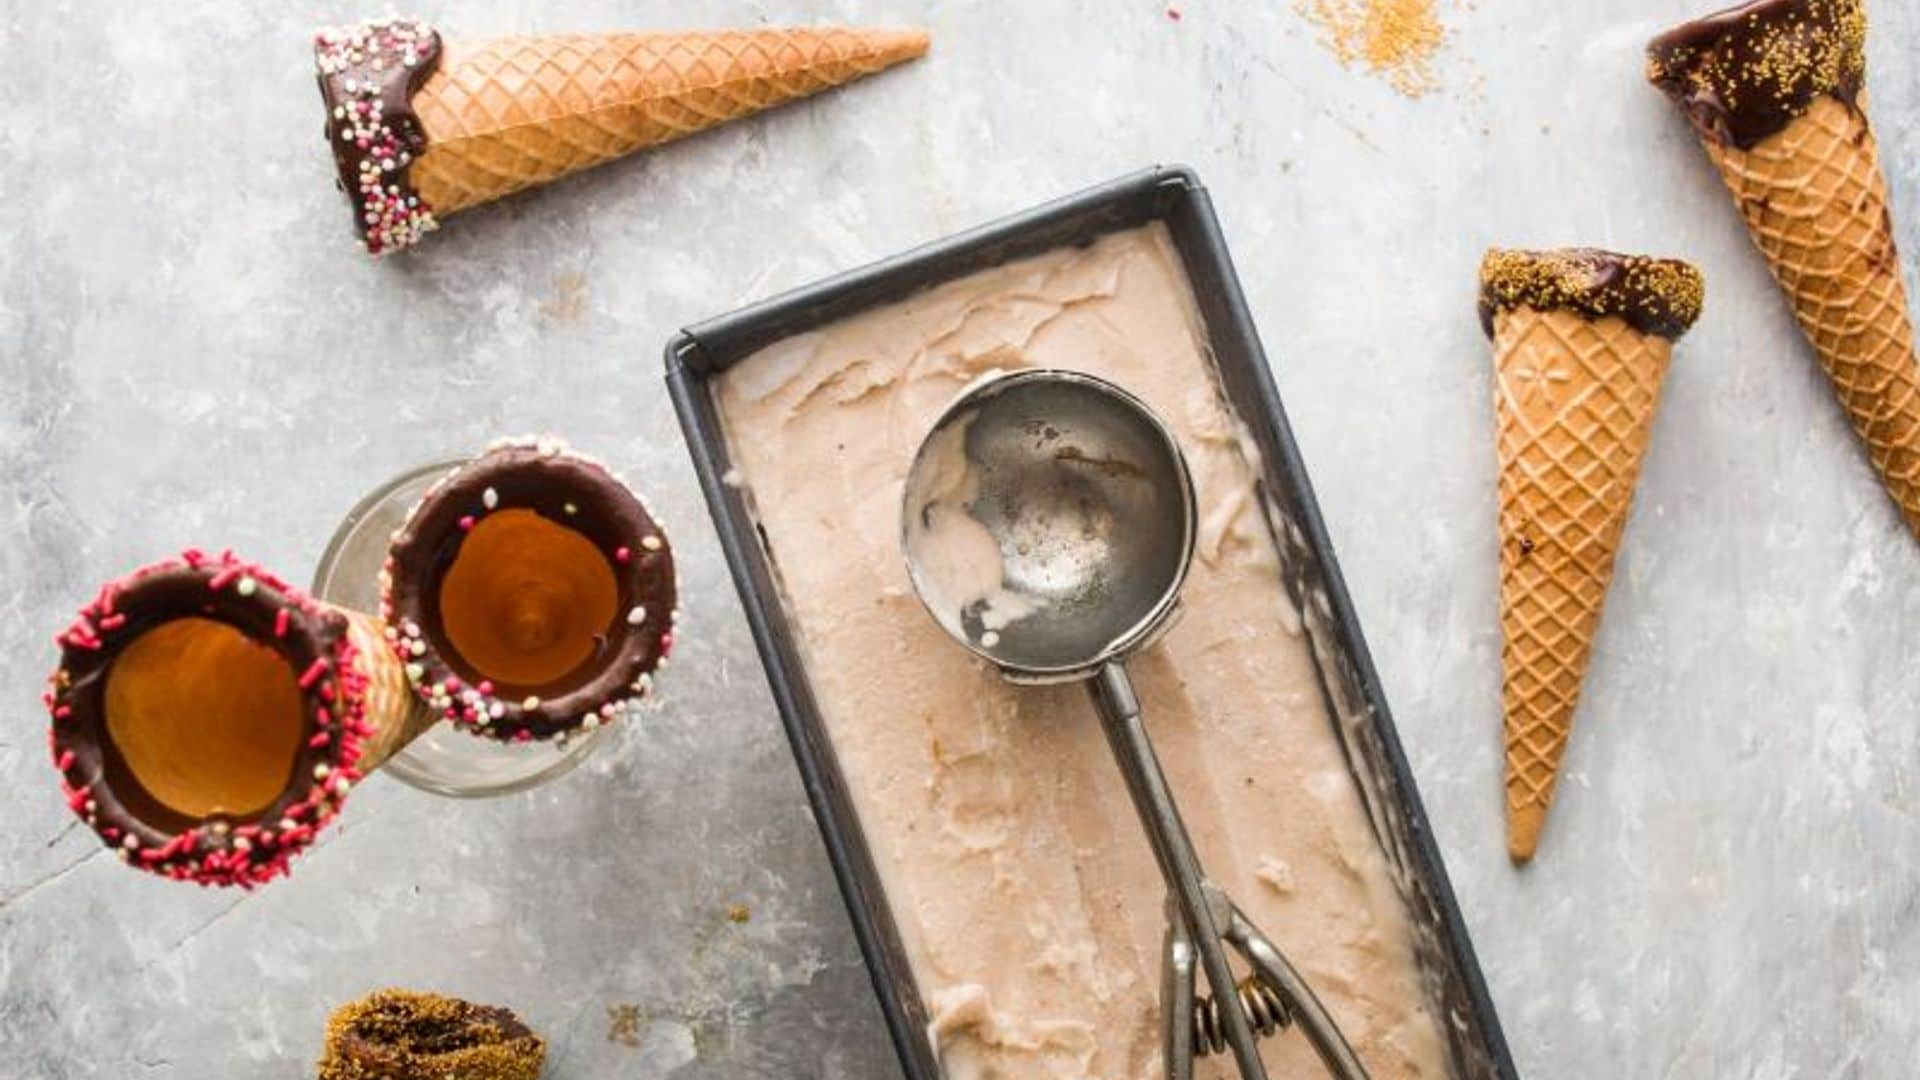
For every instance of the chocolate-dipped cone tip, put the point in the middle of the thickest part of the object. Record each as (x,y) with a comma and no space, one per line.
(208,718)
(531,594)
(1745,73)
(1655,296)
(391,1034)
(368,75)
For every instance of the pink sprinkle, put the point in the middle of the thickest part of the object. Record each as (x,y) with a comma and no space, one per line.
(113,622)
(322,717)
(62,712)
(313,673)
(320,740)
(622,555)
(65,762)
(453,683)
(224,578)
(485,687)
(466,523)
(280,620)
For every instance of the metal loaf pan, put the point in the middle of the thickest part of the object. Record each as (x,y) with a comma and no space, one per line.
(1352,688)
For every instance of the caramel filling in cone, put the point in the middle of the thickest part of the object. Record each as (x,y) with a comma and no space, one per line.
(527,602)
(204,719)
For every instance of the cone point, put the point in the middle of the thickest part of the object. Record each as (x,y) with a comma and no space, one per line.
(1523,831)
(904,44)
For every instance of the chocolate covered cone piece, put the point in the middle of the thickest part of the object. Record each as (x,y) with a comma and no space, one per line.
(208,719)
(423,130)
(1774,90)
(404,1035)
(531,594)
(1581,342)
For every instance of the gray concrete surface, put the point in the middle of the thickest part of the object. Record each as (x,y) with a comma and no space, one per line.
(192,352)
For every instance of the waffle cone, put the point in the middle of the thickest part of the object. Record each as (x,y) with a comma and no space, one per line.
(1574,400)
(505,115)
(394,715)
(1816,202)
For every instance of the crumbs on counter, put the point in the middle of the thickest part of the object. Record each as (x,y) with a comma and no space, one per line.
(739,913)
(623,1024)
(1394,39)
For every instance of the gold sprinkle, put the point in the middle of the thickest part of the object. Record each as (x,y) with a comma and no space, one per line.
(1394,39)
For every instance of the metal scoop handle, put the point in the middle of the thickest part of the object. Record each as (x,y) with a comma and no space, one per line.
(1207,915)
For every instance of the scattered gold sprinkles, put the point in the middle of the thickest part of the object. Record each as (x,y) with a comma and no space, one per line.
(1394,39)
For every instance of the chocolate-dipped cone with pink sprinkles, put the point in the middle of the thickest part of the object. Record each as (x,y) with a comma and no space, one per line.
(209,719)
(530,594)
(420,130)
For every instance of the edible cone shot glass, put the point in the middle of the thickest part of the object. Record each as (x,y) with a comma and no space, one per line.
(208,719)
(530,596)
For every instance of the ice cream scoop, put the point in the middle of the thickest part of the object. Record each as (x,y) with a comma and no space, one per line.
(1048,523)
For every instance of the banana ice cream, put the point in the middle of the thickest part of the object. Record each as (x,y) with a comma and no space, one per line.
(1025,892)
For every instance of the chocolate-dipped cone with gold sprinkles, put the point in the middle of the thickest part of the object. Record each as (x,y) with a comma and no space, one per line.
(1581,343)
(422,129)
(405,1035)
(530,593)
(208,719)
(1776,92)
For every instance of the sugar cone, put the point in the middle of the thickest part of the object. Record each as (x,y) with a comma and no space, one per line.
(393,715)
(504,115)
(1816,202)
(178,688)
(1575,400)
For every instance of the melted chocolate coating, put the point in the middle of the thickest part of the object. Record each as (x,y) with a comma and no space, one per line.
(606,513)
(1655,296)
(400,1033)
(368,75)
(1744,74)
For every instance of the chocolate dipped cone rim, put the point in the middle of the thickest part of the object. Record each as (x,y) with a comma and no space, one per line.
(160,805)
(1745,73)
(401,1033)
(1654,296)
(539,482)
